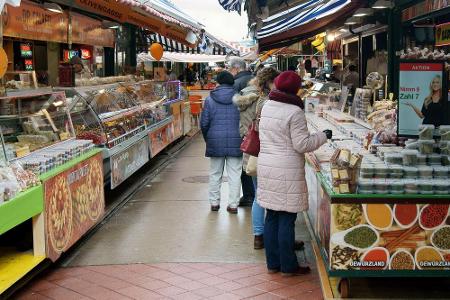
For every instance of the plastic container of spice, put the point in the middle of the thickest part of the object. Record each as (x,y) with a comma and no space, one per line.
(396,171)
(393,158)
(440,172)
(444,147)
(381,171)
(434,159)
(426,187)
(410,187)
(411,172)
(441,187)
(396,187)
(367,171)
(445,159)
(444,131)
(426,146)
(409,157)
(426,132)
(421,159)
(425,172)
(381,186)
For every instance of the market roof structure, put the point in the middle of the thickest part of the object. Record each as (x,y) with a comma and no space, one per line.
(183,58)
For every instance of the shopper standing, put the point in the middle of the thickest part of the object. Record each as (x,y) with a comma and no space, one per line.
(282,186)
(250,102)
(242,76)
(220,128)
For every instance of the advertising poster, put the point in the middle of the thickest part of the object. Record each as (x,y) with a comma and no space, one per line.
(423,96)
(160,138)
(398,236)
(74,202)
(177,126)
(125,163)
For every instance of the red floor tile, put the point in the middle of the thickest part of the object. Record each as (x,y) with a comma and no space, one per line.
(267,296)
(176,279)
(227,296)
(229,286)
(208,292)
(249,281)
(248,292)
(187,296)
(30,296)
(41,285)
(269,286)
(61,293)
(197,275)
(171,291)
(212,280)
(151,283)
(135,292)
(191,285)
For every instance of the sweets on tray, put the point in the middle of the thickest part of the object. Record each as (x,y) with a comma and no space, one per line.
(345,171)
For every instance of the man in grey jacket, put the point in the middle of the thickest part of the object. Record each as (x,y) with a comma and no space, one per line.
(242,76)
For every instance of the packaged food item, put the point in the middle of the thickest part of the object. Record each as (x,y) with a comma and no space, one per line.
(367,171)
(411,187)
(441,187)
(440,172)
(421,159)
(355,160)
(445,159)
(366,186)
(396,171)
(396,187)
(381,171)
(344,188)
(426,146)
(426,187)
(426,132)
(411,172)
(444,131)
(409,157)
(344,157)
(335,174)
(425,172)
(434,159)
(444,147)
(393,158)
(343,174)
(381,186)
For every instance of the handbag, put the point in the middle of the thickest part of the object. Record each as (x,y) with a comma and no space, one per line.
(251,166)
(250,143)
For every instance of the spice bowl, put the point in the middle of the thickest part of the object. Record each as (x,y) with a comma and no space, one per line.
(369,262)
(379,216)
(402,257)
(426,257)
(433,216)
(360,237)
(406,215)
(440,238)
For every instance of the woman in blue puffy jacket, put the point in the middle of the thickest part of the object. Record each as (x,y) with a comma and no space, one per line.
(220,128)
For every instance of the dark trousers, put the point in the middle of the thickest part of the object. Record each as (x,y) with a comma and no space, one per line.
(248,189)
(279,238)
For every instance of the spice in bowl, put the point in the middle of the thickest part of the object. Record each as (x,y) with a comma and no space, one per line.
(379,215)
(433,215)
(342,258)
(441,238)
(428,258)
(348,215)
(405,214)
(375,259)
(361,237)
(402,260)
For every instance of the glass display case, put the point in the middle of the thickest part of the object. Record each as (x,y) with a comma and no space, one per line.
(108,115)
(33,121)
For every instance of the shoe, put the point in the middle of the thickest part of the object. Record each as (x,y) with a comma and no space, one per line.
(299,272)
(299,245)
(215,207)
(273,271)
(232,210)
(246,201)
(258,243)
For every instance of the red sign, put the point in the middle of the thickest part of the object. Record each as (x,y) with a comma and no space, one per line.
(86,54)
(74,201)
(421,67)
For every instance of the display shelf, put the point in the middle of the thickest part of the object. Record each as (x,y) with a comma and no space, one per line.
(68,165)
(24,206)
(15,265)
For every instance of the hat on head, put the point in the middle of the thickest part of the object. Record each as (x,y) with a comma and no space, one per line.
(225,77)
(288,82)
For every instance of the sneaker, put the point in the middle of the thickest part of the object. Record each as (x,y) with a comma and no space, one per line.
(258,243)
(299,272)
(215,207)
(246,201)
(232,210)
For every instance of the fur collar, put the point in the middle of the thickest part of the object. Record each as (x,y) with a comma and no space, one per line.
(246,98)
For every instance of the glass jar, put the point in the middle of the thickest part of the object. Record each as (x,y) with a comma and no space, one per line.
(426,132)
(409,157)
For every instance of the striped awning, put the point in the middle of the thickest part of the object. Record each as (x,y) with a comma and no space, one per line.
(170,45)
(300,15)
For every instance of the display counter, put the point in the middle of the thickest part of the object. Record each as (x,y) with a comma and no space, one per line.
(377,213)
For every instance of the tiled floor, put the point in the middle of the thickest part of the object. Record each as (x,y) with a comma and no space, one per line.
(171,281)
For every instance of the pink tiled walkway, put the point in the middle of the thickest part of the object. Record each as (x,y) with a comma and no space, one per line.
(171,281)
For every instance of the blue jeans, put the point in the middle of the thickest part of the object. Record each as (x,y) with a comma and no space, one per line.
(258,213)
(279,238)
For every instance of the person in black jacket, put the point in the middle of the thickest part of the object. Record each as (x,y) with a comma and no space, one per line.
(242,76)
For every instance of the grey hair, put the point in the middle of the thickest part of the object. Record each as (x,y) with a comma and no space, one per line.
(238,63)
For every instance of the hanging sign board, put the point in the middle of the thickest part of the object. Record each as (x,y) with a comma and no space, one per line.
(89,31)
(108,8)
(147,22)
(443,34)
(29,21)
(422,96)
(422,8)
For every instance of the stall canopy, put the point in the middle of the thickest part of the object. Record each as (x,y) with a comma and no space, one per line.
(303,21)
(183,58)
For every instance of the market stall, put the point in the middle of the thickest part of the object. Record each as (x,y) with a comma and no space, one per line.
(51,183)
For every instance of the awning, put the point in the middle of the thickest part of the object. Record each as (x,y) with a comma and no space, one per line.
(303,21)
(183,57)
(171,45)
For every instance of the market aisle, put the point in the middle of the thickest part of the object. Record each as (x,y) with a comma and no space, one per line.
(165,243)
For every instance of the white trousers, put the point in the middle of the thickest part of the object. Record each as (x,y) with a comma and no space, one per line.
(234,169)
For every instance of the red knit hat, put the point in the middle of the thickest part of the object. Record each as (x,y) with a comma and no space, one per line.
(288,82)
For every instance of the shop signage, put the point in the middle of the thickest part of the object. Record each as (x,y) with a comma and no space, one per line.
(160,138)
(125,163)
(419,81)
(74,202)
(89,31)
(29,21)
(443,34)
(25,50)
(424,7)
(86,54)
(150,23)
(108,8)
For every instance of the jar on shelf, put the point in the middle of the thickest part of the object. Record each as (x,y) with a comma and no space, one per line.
(409,157)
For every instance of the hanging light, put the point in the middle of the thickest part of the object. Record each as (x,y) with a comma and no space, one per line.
(382,4)
(352,21)
(110,25)
(53,7)
(331,37)
(363,11)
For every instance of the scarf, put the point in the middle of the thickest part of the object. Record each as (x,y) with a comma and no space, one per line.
(279,96)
